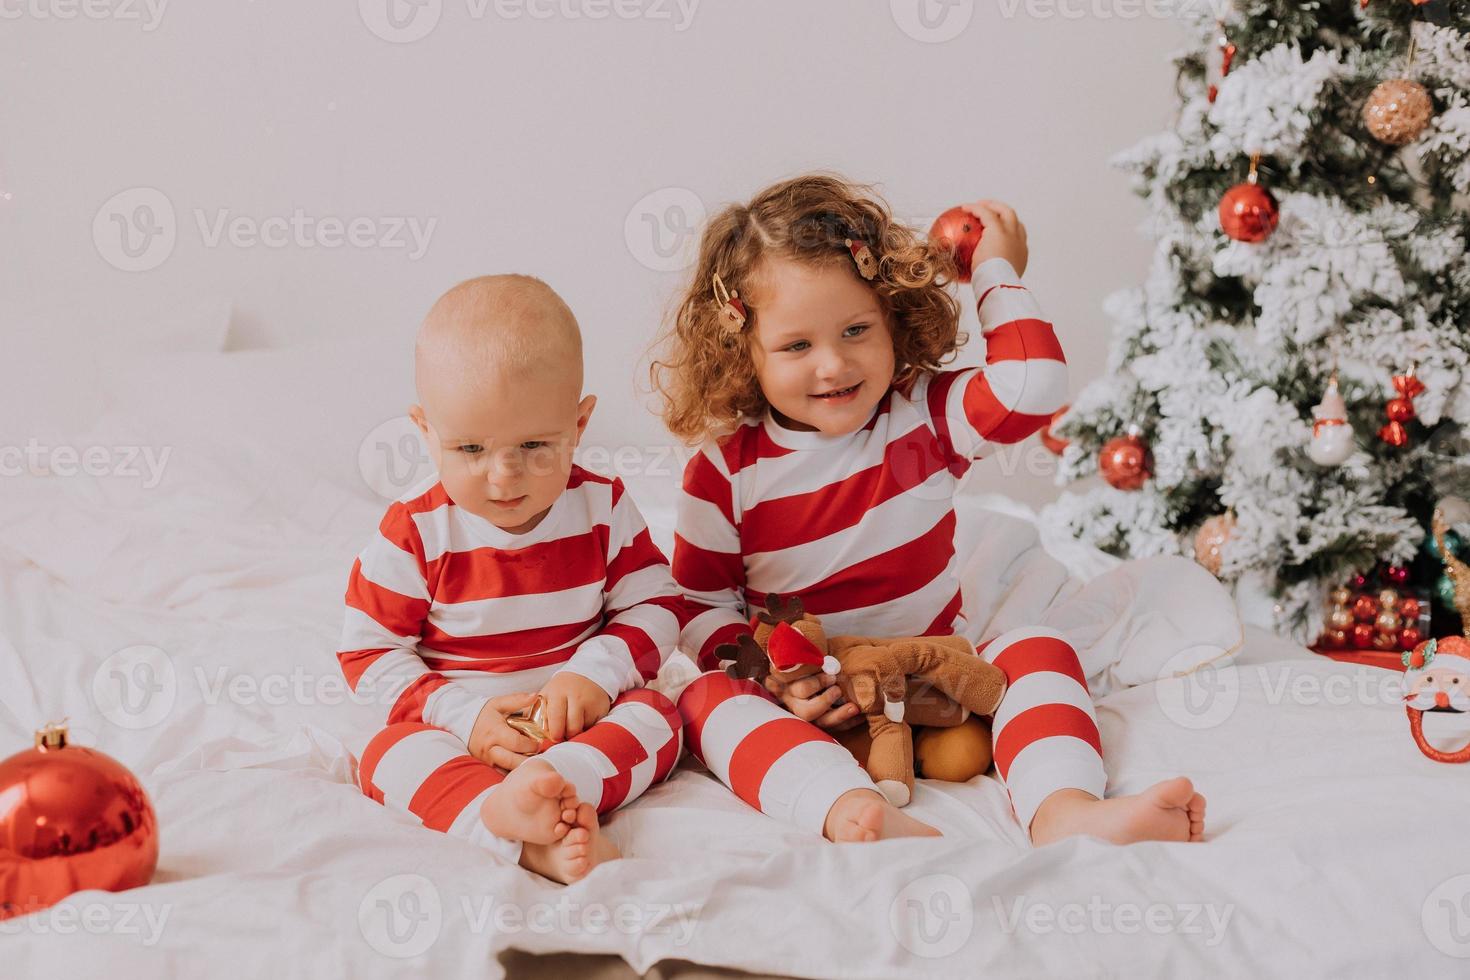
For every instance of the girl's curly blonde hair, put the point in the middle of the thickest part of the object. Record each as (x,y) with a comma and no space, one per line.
(706,377)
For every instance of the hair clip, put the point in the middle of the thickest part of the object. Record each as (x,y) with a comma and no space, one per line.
(732,309)
(867,263)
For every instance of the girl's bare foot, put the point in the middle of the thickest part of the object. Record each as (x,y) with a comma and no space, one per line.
(533,804)
(862,815)
(1168,811)
(570,859)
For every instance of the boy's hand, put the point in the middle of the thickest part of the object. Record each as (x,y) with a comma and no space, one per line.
(814,699)
(1004,236)
(573,705)
(495,742)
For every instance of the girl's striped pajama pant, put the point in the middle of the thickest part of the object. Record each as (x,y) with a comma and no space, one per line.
(1045,736)
(428,772)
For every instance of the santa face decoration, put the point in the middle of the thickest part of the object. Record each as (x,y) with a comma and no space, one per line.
(1437,678)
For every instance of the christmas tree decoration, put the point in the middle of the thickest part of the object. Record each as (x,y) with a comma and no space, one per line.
(1224,351)
(1125,461)
(1332,434)
(1399,109)
(1211,540)
(1365,609)
(1052,442)
(1453,586)
(959,231)
(1248,212)
(1227,52)
(71,818)
(1401,409)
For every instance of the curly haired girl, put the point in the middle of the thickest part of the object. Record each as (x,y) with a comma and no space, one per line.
(807,359)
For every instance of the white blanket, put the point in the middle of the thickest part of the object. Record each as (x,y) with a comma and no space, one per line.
(189,629)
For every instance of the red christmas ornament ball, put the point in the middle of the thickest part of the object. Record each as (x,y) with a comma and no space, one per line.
(1125,462)
(1359,581)
(1363,634)
(1248,213)
(1397,574)
(1400,410)
(1409,637)
(72,818)
(1409,608)
(1365,609)
(1051,442)
(960,231)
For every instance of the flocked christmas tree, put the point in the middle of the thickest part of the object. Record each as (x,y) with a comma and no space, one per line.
(1311,207)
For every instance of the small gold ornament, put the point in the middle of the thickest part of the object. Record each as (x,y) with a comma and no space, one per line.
(1210,541)
(530,721)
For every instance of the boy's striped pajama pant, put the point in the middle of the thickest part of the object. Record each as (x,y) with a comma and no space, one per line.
(426,771)
(1045,736)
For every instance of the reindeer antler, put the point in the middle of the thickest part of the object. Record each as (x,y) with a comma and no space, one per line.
(747,661)
(782,609)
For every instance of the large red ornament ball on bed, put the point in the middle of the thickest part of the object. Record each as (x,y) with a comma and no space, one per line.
(960,231)
(71,818)
(1248,213)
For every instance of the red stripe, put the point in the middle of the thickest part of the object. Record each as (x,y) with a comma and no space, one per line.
(656,701)
(450,788)
(757,751)
(704,481)
(399,614)
(943,624)
(646,655)
(377,748)
(747,445)
(938,400)
(410,704)
(885,577)
(1025,339)
(1041,722)
(636,555)
(991,419)
(502,665)
(703,696)
(516,643)
(1034,654)
(623,750)
(698,570)
(785,522)
(493,573)
(354,663)
(729,633)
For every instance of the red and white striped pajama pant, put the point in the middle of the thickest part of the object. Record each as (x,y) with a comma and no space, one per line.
(1045,736)
(428,772)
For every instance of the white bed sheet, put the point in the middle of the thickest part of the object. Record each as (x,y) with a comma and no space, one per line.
(1334,847)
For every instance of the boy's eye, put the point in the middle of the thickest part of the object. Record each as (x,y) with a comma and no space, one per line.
(532,446)
(470,449)
(856,330)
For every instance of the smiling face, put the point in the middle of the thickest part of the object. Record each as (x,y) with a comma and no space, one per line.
(821,345)
(1438,687)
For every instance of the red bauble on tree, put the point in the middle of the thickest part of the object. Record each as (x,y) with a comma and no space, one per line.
(959,231)
(72,819)
(1248,213)
(1401,409)
(1125,461)
(1054,443)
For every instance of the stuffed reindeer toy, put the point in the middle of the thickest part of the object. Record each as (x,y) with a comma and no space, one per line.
(932,681)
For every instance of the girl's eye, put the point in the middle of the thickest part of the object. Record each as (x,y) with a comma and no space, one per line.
(471,449)
(797,347)
(856,330)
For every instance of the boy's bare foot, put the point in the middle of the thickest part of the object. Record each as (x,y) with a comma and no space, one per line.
(862,815)
(533,804)
(1168,811)
(570,859)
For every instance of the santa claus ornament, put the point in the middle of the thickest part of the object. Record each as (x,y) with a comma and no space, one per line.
(1437,678)
(1332,435)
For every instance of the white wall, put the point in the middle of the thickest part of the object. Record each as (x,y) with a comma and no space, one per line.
(529,144)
